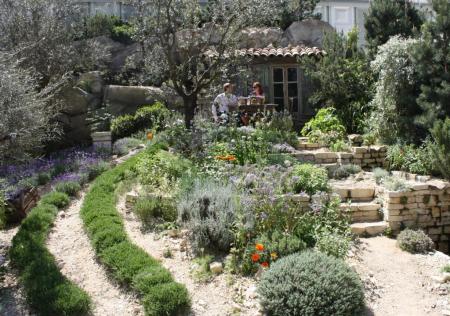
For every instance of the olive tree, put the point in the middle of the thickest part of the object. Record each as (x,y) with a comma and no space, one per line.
(26,116)
(192,45)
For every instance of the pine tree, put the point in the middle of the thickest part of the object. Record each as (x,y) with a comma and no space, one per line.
(432,58)
(387,18)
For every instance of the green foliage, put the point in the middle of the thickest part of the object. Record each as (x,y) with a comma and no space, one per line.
(280,244)
(332,244)
(58,199)
(208,210)
(3,211)
(97,169)
(149,117)
(154,209)
(162,170)
(46,288)
(410,158)
(395,184)
(440,147)
(125,145)
(342,79)
(70,188)
(380,174)
(431,59)
(311,284)
(446,268)
(128,263)
(325,127)
(310,179)
(345,171)
(414,241)
(340,146)
(387,18)
(108,25)
(43,178)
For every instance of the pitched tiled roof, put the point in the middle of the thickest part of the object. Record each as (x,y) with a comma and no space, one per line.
(271,51)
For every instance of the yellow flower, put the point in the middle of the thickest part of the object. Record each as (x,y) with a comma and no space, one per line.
(274,256)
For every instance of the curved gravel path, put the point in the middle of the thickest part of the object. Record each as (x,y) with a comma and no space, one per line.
(215,298)
(71,247)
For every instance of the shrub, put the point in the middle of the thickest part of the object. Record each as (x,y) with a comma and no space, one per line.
(340,146)
(123,33)
(70,188)
(379,175)
(150,209)
(332,244)
(128,263)
(441,147)
(43,178)
(414,241)
(47,290)
(345,171)
(311,284)
(395,184)
(146,118)
(58,199)
(325,127)
(93,171)
(410,158)
(125,145)
(309,178)
(208,211)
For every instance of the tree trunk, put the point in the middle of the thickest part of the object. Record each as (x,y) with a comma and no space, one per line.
(190,104)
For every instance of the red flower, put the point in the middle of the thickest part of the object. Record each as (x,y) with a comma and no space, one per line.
(259,247)
(255,257)
(265,264)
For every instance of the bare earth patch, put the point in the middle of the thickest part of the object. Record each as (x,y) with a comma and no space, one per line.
(399,283)
(224,295)
(70,245)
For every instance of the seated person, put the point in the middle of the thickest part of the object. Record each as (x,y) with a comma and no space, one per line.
(258,91)
(223,102)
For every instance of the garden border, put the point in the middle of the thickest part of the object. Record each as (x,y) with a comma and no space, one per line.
(130,265)
(48,291)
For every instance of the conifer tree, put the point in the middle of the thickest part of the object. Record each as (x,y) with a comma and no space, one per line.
(431,59)
(387,18)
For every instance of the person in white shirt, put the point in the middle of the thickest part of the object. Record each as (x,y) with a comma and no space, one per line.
(223,102)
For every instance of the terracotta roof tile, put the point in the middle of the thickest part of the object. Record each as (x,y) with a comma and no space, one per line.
(270,51)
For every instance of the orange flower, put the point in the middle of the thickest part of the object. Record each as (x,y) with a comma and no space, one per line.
(265,264)
(149,135)
(255,257)
(259,247)
(274,256)
(231,158)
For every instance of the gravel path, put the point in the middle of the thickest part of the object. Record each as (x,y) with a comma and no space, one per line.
(399,283)
(12,299)
(215,298)
(70,245)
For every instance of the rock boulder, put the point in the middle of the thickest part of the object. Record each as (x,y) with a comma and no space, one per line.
(308,32)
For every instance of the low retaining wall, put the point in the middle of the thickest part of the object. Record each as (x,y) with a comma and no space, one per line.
(425,206)
(366,157)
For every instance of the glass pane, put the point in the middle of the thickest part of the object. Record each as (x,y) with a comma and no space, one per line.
(278,90)
(278,75)
(292,90)
(292,74)
(279,102)
(294,105)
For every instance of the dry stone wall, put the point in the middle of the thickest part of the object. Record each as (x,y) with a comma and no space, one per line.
(426,206)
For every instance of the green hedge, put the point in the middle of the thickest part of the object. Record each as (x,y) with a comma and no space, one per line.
(146,118)
(47,290)
(129,264)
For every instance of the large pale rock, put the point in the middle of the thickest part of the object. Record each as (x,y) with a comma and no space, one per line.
(261,37)
(216,267)
(76,101)
(308,32)
(127,99)
(116,53)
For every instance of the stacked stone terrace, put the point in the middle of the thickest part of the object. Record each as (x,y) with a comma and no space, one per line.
(374,210)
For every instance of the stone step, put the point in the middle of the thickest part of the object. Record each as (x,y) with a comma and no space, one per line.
(355,193)
(369,229)
(363,211)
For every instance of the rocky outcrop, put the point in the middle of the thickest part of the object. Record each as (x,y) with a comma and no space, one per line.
(126,99)
(308,32)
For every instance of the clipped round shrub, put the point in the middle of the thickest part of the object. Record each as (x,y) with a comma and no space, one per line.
(43,178)
(151,276)
(71,188)
(310,179)
(97,169)
(414,241)
(122,126)
(166,299)
(58,199)
(311,284)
